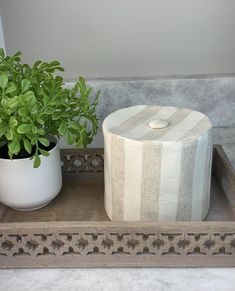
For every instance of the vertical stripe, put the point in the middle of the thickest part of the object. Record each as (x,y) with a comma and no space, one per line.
(133,173)
(107,174)
(151,172)
(164,113)
(198,177)
(170,177)
(120,116)
(186,181)
(157,174)
(200,128)
(185,125)
(174,120)
(118,176)
(207,178)
(136,119)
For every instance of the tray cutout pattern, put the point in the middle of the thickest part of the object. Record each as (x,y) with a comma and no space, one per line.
(131,243)
(82,161)
(103,243)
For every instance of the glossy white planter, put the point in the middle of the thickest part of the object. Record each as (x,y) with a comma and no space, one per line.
(25,188)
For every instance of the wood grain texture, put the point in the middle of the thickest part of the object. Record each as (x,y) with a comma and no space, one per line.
(225,174)
(83,200)
(74,231)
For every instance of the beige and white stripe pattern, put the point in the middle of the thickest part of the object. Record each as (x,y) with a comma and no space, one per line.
(157,174)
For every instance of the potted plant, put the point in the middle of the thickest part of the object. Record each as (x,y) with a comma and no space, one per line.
(35,111)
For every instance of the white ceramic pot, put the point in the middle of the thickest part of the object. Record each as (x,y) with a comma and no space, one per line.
(25,188)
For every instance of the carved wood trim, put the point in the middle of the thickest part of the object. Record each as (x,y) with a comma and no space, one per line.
(119,244)
(77,162)
(102,244)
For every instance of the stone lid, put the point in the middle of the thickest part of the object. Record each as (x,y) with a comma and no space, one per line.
(156,123)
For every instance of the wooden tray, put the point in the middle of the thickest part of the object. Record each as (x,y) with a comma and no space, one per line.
(74,230)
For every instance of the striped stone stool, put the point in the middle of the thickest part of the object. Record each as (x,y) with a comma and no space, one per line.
(157,164)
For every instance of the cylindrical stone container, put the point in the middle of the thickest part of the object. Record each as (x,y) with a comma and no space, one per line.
(157,163)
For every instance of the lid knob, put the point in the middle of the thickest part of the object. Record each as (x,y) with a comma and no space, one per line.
(158,124)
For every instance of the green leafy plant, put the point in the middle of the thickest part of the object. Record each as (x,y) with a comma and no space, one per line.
(34,104)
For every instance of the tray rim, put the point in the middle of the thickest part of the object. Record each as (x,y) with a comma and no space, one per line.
(102,225)
(218,152)
(197,233)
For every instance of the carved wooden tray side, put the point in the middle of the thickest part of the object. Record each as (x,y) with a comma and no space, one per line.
(87,162)
(120,244)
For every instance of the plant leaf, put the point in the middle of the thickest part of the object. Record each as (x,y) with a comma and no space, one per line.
(44,141)
(34,129)
(14,147)
(17,54)
(40,121)
(29,96)
(13,102)
(82,85)
(25,85)
(9,135)
(41,131)
(27,145)
(34,101)
(62,129)
(60,69)
(2,53)
(3,80)
(74,125)
(22,112)
(24,128)
(13,121)
(2,130)
(35,65)
(33,140)
(11,88)
(70,137)
(37,161)
(44,153)
(55,63)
